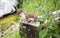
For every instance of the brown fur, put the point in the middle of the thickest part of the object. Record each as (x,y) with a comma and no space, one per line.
(28,15)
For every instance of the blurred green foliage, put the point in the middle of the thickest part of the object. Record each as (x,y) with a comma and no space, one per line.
(50,29)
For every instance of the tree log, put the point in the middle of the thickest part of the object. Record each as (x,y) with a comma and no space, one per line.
(30,30)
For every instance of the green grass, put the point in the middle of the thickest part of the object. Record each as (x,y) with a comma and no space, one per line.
(45,8)
(42,7)
(12,35)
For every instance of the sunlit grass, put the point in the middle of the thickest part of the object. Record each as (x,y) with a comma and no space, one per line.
(39,7)
(8,21)
(16,34)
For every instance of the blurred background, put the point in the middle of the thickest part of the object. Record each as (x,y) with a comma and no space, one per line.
(40,7)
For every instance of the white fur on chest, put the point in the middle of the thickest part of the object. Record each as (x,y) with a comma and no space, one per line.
(23,16)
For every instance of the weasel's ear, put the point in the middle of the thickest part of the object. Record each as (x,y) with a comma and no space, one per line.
(19,11)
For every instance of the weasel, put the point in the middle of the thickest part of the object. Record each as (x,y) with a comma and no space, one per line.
(28,16)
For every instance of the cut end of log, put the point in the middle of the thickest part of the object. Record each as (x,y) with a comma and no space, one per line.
(31,30)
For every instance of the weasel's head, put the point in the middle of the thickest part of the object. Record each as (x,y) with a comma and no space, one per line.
(19,11)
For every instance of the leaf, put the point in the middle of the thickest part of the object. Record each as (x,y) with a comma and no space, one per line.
(43,33)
